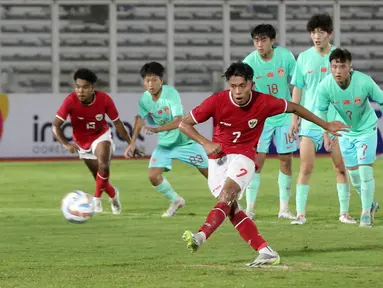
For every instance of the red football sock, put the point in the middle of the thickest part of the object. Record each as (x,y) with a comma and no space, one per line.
(215,218)
(102,184)
(248,231)
(110,190)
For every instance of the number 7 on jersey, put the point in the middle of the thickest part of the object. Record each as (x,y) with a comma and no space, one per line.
(237,135)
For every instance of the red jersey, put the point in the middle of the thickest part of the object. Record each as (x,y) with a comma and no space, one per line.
(88,121)
(238,128)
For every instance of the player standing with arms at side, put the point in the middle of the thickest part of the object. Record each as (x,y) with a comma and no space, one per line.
(273,66)
(348,91)
(312,66)
(86,108)
(161,105)
(238,116)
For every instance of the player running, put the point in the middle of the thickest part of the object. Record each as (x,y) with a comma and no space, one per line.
(312,66)
(272,66)
(238,115)
(86,108)
(348,91)
(161,105)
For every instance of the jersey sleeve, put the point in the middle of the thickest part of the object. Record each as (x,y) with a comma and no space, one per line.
(298,79)
(111,109)
(64,109)
(249,60)
(291,63)
(205,110)
(323,99)
(176,105)
(375,92)
(142,111)
(273,105)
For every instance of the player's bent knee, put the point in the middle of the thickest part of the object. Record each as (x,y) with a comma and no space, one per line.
(228,196)
(103,166)
(306,167)
(340,169)
(285,162)
(155,177)
(230,192)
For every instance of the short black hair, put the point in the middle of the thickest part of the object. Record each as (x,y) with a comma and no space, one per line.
(341,55)
(266,30)
(154,68)
(321,21)
(85,74)
(239,69)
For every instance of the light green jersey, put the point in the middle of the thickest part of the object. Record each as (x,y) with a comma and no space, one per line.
(310,70)
(352,104)
(162,112)
(271,77)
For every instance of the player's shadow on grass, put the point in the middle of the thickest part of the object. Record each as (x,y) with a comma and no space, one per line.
(315,250)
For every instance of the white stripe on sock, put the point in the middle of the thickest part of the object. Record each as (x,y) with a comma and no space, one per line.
(102,177)
(221,211)
(241,222)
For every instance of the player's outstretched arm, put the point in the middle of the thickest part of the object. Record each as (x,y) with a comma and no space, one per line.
(121,129)
(296,98)
(131,151)
(169,126)
(187,127)
(138,124)
(333,127)
(59,135)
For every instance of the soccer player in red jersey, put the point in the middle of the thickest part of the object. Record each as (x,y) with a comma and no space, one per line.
(238,116)
(86,108)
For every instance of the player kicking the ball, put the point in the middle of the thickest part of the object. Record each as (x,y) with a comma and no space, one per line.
(273,66)
(86,108)
(348,92)
(239,115)
(161,105)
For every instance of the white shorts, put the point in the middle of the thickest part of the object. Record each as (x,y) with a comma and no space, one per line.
(235,166)
(89,154)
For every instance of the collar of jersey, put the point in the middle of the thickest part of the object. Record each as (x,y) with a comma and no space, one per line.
(232,101)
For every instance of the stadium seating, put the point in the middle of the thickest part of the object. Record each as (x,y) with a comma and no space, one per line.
(26,39)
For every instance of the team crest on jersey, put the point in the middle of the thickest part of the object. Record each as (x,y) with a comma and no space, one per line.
(281,72)
(252,123)
(358,101)
(99,117)
(167,110)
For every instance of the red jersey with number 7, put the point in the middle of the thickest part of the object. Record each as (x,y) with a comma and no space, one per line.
(238,128)
(88,121)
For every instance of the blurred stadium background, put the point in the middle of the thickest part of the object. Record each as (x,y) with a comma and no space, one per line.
(42,42)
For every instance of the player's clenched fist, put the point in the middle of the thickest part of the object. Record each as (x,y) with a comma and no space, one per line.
(72,148)
(211,148)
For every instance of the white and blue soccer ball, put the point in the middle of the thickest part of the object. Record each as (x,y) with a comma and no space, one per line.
(77,206)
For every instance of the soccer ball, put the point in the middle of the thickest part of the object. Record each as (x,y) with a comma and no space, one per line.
(77,206)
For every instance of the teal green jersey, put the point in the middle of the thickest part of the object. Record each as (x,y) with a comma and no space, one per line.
(271,77)
(162,112)
(310,70)
(352,104)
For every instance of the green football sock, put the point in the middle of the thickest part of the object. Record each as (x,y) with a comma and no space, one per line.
(167,190)
(344,196)
(284,183)
(355,179)
(301,198)
(367,188)
(252,191)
